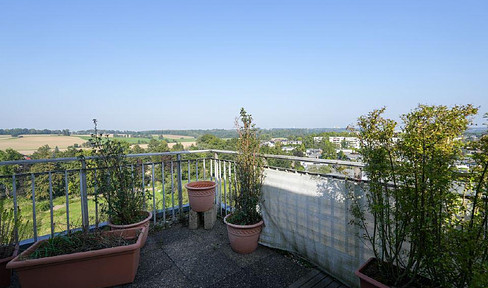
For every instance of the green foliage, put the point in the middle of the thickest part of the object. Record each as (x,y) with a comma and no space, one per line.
(9,227)
(177,147)
(43,206)
(249,173)
(421,223)
(328,149)
(6,183)
(116,181)
(321,169)
(57,179)
(276,150)
(209,141)
(24,131)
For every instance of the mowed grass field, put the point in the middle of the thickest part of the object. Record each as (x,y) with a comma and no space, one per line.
(28,144)
(43,211)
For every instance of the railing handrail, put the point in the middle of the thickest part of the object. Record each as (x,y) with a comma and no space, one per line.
(283,157)
(71,159)
(220,170)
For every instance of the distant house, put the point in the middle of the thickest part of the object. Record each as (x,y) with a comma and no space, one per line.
(268,143)
(313,153)
(287,148)
(352,142)
(317,139)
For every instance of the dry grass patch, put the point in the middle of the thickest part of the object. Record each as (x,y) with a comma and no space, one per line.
(28,144)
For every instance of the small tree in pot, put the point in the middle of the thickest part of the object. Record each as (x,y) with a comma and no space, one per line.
(245,223)
(413,210)
(119,184)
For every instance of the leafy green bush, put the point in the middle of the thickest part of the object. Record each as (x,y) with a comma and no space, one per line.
(422,225)
(116,181)
(9,227)
(44,206)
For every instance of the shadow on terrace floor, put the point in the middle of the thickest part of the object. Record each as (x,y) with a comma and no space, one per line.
(179,257)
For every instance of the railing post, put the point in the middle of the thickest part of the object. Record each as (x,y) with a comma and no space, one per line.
(51,203)
(154,194)
(216,179)
(14,191)
(84,197)
(358,173)
(180,188)
(34,219)
(204,173)
(143,187)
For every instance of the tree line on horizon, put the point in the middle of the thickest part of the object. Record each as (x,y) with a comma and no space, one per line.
(25,131)
(196,133)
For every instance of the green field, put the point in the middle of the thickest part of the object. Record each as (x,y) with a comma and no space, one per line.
(43,214)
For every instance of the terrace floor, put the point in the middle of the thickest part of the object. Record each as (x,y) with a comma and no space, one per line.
(179,257)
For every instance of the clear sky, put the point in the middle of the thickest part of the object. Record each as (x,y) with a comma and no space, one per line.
(139,65)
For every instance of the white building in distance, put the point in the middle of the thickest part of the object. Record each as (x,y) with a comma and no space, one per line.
(352,142)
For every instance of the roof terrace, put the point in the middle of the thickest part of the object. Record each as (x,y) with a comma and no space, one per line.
(304,215)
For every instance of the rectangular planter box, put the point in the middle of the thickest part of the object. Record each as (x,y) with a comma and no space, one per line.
(4,272)
(98,268)
(366,281)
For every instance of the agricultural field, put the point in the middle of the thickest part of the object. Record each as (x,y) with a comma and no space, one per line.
(28,144)
(178,138)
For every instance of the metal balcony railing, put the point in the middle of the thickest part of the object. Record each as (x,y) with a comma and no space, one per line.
(170,170)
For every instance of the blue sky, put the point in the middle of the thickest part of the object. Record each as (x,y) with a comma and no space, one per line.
(139,65)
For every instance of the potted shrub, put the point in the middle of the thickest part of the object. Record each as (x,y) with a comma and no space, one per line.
(422,227)
(201,195)
(9,246)
(81,259)
(124,200)
(244,224)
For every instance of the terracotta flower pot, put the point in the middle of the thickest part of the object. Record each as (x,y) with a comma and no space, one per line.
(98,268)
(243,238)
(366,281)
(201,195)
(143,223)
(4,272)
